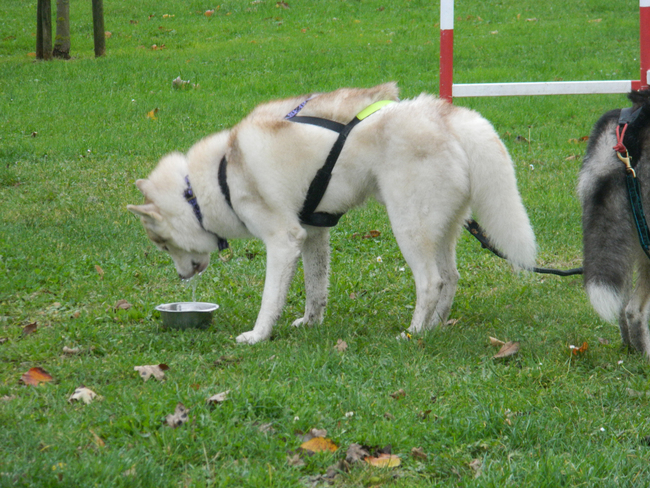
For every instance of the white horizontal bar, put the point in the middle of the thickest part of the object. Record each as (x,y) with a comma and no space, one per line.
(541,88)
(644,3)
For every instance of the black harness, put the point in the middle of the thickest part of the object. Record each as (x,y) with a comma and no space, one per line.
(318,186)
(628,150)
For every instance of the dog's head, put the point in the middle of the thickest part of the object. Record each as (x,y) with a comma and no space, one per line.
(169,219)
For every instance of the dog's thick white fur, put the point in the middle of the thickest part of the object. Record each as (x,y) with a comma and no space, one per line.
(428,162)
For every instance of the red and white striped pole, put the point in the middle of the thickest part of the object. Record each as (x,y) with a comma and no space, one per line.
(447,49)
(644,38)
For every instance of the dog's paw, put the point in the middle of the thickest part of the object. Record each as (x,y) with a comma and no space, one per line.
(249,337)
(298,322)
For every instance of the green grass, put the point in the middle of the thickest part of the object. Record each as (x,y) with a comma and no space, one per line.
(74,137)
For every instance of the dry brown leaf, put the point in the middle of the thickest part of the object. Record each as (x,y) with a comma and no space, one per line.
(30,328)
(476,465)
(510,348)
(496,342)
(284,5)
(418,453)
(219,397)
(71,350)
(603,341)
(398,394)
(155,370)
(179,417)
(579,350)
(99,442)
(319,444)
(295,460)
(99,270)
(3,340)
(384,461)
(36,376)
(122,305)
(341,345)
(356,453)
(151,114)
(84,394)
(266,428)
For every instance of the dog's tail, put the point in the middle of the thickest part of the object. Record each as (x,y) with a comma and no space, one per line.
(494,197)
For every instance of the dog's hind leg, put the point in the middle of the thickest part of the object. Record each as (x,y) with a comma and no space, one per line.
(446,260)
(316,264)
(282,253)
(637,312)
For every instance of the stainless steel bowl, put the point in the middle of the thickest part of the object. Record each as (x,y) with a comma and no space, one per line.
(187,315)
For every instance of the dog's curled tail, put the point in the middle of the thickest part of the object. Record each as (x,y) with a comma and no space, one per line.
(495,199)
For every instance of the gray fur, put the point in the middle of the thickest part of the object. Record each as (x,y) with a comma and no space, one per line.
(612,252)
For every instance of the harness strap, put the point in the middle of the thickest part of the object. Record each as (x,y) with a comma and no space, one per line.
(626,120)
(319,184)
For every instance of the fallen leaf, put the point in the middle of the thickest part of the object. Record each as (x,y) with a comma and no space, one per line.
(341,345)
(595,21)
(179,417)
(637,394)
(496,342)
(418,453)
(108,34)
(219,397)
(295,460)
(151,114)
(71,351)
(156,370)
(398,394)
(266,428)
(579,350)
(510,348)
(122,305)
(99,270)
(84,394)
(30,328)
(372,234)
(36,376)
(129,472)
(389,416)
(284,5)
(7,398)
(476,465)
(319,444)
(99,442)
(208,13)
(384,461)
(356,453)
(3,340)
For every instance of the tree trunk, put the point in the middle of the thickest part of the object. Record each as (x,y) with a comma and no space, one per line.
(98,28)
(62,38)
(44,30)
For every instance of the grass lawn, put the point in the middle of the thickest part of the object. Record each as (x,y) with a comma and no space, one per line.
(74,137)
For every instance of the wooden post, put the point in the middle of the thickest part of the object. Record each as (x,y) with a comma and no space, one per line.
(44,30)
(98,28)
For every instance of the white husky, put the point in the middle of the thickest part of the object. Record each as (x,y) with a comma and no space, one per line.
(431,165)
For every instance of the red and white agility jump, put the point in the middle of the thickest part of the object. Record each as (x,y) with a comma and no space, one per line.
(448,89)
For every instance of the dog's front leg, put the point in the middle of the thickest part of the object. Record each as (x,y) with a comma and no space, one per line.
(316,265)
(282,253)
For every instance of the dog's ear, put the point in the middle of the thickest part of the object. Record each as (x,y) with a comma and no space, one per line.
(147,211)
(142,186)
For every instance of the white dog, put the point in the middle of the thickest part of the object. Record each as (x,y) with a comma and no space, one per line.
(428,162)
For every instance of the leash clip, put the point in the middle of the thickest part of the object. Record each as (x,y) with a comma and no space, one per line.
(626,161)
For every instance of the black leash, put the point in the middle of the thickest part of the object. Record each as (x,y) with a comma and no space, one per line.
(627,128)
(473,228)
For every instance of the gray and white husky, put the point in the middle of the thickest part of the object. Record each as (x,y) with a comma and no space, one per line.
(612,253)
(428,162)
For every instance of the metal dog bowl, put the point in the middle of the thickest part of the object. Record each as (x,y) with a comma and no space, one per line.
(187,315)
